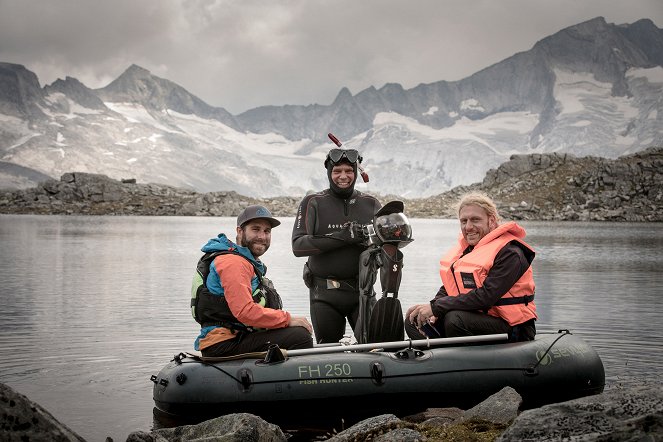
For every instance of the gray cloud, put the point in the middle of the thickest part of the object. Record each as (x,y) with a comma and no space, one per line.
(239,54)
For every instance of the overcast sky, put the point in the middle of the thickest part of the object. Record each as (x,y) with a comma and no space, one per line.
(241,54)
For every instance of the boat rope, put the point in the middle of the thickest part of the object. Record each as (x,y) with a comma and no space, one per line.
(201,361)
(532,369)
(179,358)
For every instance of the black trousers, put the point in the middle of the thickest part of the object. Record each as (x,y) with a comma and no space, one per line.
(288,338)
(470,323)
(330,308)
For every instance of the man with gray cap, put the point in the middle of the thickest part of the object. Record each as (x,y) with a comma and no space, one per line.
(236,305)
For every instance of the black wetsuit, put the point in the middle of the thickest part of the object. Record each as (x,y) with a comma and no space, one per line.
(333,261)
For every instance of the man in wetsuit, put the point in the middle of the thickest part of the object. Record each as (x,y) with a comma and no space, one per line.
(328,230)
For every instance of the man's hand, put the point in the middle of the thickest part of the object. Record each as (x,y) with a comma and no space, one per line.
(355,232)
(352,233)
(300,321)
(419,314)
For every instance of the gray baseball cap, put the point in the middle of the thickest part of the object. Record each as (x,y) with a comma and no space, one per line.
(256,212)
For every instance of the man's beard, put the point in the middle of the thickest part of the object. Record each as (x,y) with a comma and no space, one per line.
(253,245)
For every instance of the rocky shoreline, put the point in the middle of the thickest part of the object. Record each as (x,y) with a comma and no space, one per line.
(549,187)
(624,414)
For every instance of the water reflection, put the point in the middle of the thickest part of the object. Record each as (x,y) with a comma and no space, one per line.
(93,306)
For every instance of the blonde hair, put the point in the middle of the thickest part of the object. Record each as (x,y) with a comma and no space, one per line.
(479,199)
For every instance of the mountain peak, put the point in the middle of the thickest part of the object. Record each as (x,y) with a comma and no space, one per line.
(137,71)
(76,91)
(134,84)
(343,95)
(20,93)
(139,85)
(592,24)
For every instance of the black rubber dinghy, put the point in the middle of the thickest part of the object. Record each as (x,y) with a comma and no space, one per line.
(355,382)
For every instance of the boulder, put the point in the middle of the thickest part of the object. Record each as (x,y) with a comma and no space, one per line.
(368,429)
(23,420)
(237,427)
(500,408)
(634,414)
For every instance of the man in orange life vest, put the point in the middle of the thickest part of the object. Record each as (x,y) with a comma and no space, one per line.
(487,281)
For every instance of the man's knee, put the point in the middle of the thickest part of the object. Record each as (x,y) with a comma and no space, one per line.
(300,338)
(454,324)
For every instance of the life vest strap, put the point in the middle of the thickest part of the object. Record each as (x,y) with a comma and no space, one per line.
(515,300)
(233,327)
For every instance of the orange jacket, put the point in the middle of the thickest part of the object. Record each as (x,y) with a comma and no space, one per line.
(236,273)
(460,274)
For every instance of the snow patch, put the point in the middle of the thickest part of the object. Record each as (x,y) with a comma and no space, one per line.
(60,151)
(626,141)
(59,140)
(18,128)
(431,111)
(23,140)
(136,113)
(464,128)
(10,119)
(653,75)
(471,104)
(577,92)
(247,144)
(75,109)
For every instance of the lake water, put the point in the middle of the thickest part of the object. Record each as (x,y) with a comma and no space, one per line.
(91,307)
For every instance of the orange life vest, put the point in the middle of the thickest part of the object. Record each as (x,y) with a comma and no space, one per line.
(461,274)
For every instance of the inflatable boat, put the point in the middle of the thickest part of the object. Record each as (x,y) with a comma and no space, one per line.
(353,382)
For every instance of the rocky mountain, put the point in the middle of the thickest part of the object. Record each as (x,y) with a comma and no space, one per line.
(593,89)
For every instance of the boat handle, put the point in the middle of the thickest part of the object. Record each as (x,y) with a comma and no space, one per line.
(377,373)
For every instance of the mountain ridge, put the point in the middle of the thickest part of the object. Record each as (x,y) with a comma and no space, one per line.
(589,89)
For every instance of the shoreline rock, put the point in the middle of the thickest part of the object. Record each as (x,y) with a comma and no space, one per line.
(619,414)
(546,187)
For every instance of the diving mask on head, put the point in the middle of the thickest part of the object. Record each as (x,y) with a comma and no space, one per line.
(352,155)
(335,155)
